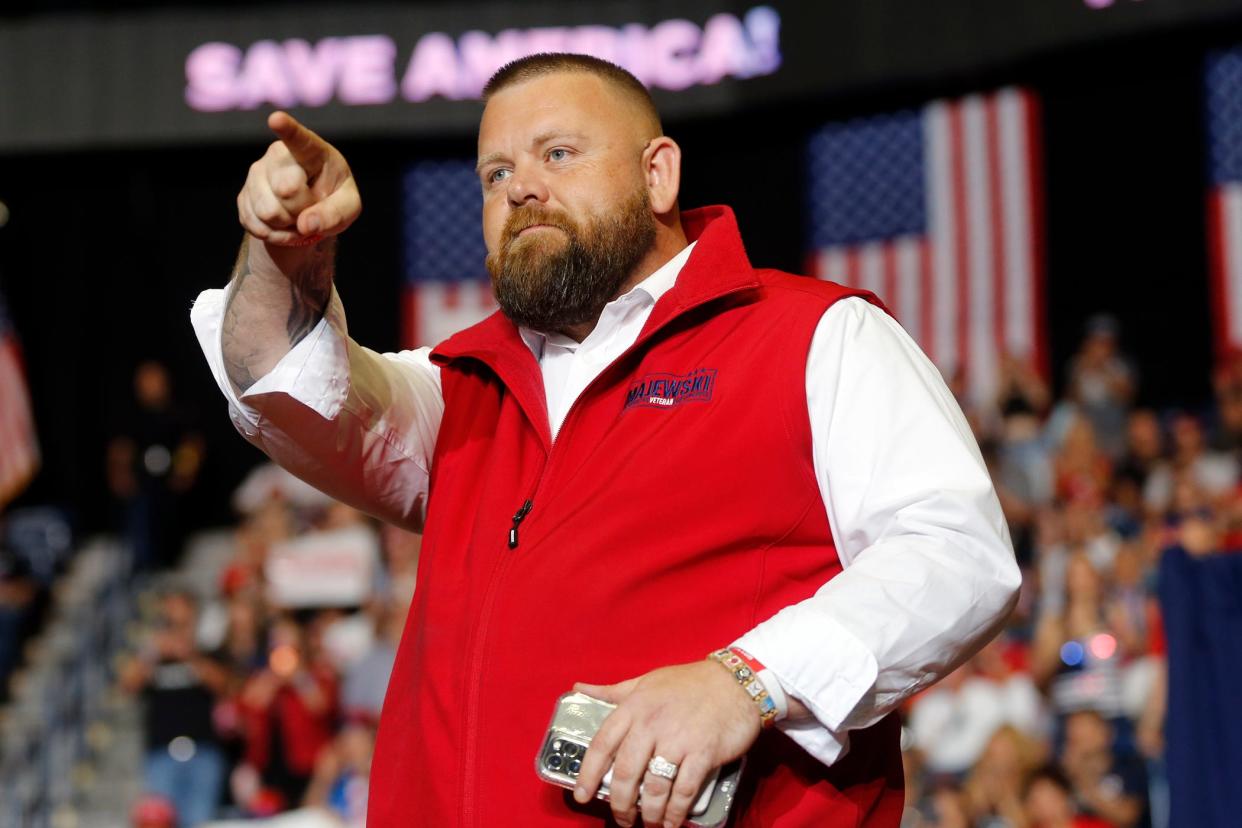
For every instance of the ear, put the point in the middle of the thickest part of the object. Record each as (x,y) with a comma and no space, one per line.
(662,167)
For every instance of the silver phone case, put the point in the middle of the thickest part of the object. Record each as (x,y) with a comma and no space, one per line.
(575,720)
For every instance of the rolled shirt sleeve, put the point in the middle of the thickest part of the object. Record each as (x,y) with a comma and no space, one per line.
(358,425)
(929,570)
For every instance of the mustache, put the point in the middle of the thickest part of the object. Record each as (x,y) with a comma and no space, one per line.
(530,215)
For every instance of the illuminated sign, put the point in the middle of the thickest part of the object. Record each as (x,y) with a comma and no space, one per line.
(364,70)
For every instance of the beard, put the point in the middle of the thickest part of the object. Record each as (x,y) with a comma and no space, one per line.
(549,284)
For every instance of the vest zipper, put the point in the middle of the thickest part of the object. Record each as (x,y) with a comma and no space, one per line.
(517,520)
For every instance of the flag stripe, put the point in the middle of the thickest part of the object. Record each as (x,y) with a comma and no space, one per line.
(1232,232)
(928,304)
(1016,192)
(909,278)
(996,204)
(943,218)
(981,310)
(871,268)
(851,267)
(890,275)
(1217,244)
(832,265)
(19,451)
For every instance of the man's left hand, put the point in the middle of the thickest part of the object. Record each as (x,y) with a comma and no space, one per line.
(694,715)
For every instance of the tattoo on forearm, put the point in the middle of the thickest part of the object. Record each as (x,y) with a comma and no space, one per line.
(236,355)
(309,291)
(249,305)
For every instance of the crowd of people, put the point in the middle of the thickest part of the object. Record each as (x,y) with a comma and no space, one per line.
(260,700)
(262,691)
(1059,723)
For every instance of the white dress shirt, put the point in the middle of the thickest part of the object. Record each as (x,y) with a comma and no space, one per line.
(929,569)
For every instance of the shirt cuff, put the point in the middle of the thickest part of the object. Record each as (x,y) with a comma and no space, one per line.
(838,675)
(315,372)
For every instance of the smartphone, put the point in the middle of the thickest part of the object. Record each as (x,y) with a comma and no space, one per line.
(576,719)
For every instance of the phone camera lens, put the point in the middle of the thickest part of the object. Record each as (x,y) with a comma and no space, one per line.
(574,767)
(572,750)
(555,761)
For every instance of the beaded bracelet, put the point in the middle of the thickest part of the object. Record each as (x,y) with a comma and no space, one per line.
(745,670)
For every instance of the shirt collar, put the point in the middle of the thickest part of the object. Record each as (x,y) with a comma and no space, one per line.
(647,292)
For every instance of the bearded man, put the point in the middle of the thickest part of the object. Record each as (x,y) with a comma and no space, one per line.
(652,453)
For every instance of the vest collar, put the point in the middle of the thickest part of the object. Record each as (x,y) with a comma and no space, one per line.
(717,267)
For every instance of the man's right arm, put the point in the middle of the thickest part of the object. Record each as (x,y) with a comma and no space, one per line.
(358,425)
(276,296)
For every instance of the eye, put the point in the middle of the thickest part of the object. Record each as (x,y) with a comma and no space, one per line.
(558,154)
(498,175)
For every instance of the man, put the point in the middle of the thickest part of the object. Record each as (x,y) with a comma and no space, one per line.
(184,762)
(655,451)
(1108,783)
(153,461)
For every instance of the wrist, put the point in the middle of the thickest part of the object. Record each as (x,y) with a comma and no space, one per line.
(286,263)
(768,696)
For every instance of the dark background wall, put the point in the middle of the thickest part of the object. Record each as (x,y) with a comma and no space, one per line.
(105,251)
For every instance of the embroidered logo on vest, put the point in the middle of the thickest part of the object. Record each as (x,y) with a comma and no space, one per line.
(669,390)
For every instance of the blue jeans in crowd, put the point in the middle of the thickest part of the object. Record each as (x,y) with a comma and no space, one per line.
(193,786)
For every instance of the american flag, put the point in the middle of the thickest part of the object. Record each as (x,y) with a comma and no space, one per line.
(938,211)
(19,448)
(446,285)
(1224,116)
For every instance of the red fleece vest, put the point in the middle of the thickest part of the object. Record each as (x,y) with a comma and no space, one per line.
(676,510)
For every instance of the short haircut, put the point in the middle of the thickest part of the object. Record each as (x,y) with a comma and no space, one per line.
(549,63)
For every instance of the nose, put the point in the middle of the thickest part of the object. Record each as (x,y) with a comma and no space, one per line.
(525,185)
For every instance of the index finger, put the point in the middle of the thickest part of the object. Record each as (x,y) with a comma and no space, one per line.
(307,148)
(599,756)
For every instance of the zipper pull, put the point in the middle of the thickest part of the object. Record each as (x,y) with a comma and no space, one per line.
(517,519)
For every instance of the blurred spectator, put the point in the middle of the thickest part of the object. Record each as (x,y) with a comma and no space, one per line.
(153,460)
(1020,463)
(18,594)
(1083,471)
(994,787)
(1102,383)
(367,680)
(1049,804)
(1126,509)
(342,774)
(1132,607)
(1111,785)
(244,648)
(1021,390)
(1077,652)
(953,722)
(401,550)
(1191,473)
(1078,528)
(179,685)
(288,710)
(271,523)
(1227,383)
(1144,444)
(948,808)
